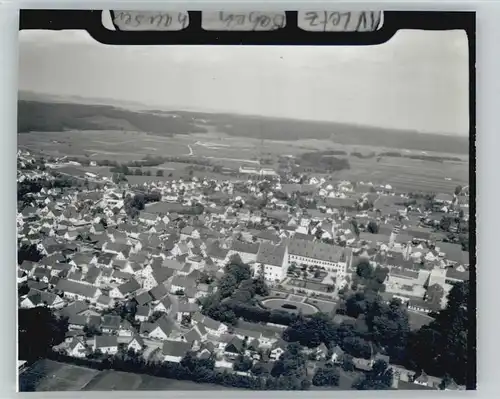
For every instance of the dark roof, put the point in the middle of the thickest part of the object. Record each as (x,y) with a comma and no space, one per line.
(187,307)
(316,250)
(166,324)
(111,321)
(105,341)
(88,291)
(215,251)
(77,320)
(183,282)
(143,298)
(452,252)
(162,274)
(211,323)
(158,292)
(244,247)
(271,254)
(74,308)
(176,348)
(403,273)
(192,335)
(142,311)
(129,287)
(234,346)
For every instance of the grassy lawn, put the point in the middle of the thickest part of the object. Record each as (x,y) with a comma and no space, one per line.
(296,298)
(47,375)
(323,306)
(418,320)
(114,381)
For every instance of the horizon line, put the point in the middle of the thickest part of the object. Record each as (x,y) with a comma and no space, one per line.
(151,108)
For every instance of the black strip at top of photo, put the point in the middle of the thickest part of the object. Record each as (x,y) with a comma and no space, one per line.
(290,34)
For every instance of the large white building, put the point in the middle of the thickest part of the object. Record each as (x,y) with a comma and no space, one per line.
(273,260)
(310,253)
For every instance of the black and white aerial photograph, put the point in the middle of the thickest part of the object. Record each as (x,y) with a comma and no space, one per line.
(199,217)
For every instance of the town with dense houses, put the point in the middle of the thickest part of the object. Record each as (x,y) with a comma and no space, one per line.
(244,272)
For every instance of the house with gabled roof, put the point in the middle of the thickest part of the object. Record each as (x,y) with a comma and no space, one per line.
(124,290)
(155,276)
(106,344)
(110,323)
(181,248)
(164,305)
(174,351)
(74,290)
(148,218)
(163,328)
(234,347)
(158,292)
(214,327)
(181,283)
(136,343)
(104,302)
(77,348)
(36,298)
(126,329)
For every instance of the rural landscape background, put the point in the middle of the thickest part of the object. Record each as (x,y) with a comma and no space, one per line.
(122,133)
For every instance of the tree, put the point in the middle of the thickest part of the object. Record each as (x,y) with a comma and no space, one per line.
(29,253)
(260,369)
(159,173)
(445,223)
(39,331)
(378,378)
(372,227)
(364,269)
(326,376)
(441,347)
(138,172)
(242,363)
(292,363)
(458,190)
(347,362)
(227,284)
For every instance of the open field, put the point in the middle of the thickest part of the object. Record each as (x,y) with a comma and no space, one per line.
(47,375)
(280,304)
(403,174)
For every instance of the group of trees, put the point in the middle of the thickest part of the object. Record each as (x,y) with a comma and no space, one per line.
(28,252)
(324,161)
(290,369)
(134,204)
(39,330)
(379,378)
(235,296)
(328,375)
(434,158)
(442,346)
(378,327)
(368,276)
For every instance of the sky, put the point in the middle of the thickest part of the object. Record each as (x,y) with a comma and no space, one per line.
(418,80)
